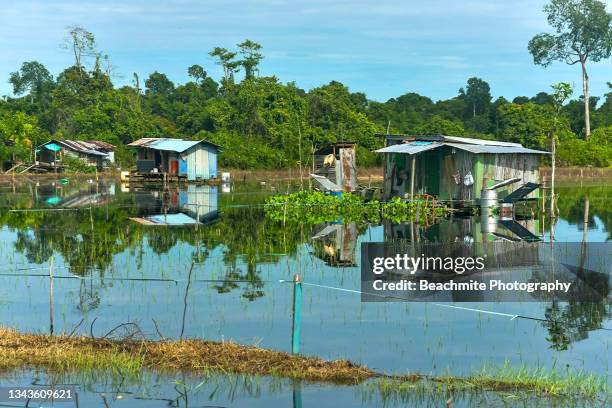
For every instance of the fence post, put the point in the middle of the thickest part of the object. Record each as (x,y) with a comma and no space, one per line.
(51,295)
(295,327)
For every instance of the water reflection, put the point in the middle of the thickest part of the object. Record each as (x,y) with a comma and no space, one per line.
(121,270)
(149,389)
(193,205)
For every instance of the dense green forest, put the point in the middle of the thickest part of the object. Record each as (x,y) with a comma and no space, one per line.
(263,123)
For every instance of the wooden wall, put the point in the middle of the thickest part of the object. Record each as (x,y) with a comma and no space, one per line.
(435,170)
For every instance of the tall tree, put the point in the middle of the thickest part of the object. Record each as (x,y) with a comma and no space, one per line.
(561,92)
(227,61)
(158,84)
(81,43)
(583,32)
(250,57)
(477,95)
(197,73)
(32,77)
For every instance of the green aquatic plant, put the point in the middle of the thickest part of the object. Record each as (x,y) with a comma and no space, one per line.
(314,207)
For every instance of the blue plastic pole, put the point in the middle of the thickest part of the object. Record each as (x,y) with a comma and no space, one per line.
(297,394)
(295,328)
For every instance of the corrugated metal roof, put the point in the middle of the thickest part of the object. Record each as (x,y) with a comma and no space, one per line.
(102,145)
(145,141)
(495,149)
(81,146)
(468,140)
(168,144)
(410,148)
(174,145)
(452,139)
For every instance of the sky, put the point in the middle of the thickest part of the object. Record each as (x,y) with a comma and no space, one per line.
(383,48)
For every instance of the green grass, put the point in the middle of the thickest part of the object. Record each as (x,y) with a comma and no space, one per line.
(126,358)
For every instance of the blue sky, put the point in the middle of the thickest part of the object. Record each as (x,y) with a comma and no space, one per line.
(383,48)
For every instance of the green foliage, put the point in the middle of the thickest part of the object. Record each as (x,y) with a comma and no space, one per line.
(19,135)
(259,121)
(34,78)
(477,95)
(583,30)
(440,126)
(76,165)
(597,151)
(529,124)
(313,207)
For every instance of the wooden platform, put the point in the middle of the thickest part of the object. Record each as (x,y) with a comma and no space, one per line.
(165,178)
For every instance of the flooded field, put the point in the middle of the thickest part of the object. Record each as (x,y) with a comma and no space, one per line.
(205,262)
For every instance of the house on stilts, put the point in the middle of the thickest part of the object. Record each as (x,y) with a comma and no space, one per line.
(174,159)
(52,155)
(457,168)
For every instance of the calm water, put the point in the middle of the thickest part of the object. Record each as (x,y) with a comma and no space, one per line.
(124,255)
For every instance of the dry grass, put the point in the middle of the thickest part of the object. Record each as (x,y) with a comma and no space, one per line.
(64,354)
(61,353)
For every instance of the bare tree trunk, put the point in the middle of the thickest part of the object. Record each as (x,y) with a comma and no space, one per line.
(587,101)
(77,54)
(552,176)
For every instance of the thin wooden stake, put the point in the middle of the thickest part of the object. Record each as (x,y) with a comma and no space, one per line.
(185,300)
(413,169)
(51,295)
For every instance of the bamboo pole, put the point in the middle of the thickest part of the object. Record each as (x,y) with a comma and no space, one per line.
(51,295)
(412,170)
(185,300)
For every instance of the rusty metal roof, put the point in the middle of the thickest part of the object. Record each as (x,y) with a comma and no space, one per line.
(102,145)
(94,147)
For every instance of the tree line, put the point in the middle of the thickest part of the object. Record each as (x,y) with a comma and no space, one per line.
(263,123)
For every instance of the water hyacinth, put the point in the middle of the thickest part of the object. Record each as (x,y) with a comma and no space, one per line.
(314,207)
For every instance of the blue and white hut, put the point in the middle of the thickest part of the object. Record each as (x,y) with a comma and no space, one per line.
(190,159)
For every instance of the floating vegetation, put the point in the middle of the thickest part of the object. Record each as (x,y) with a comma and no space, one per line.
(315,207)
(127,357)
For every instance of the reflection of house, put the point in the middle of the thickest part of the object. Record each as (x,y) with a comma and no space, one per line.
(486,228)
(195,160)
(336,244)
(195,205)
(93,152)
(336,162)
(454,168)
(83,195)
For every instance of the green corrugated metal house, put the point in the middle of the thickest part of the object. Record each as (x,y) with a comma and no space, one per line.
(455,168)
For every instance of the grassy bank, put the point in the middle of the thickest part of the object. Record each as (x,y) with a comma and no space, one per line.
(576,173)
(65,354)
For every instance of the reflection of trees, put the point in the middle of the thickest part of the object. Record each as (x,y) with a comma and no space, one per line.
(573,321)
(253,283)
(249,236)
(89,297)
(571,202)
(245,234)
